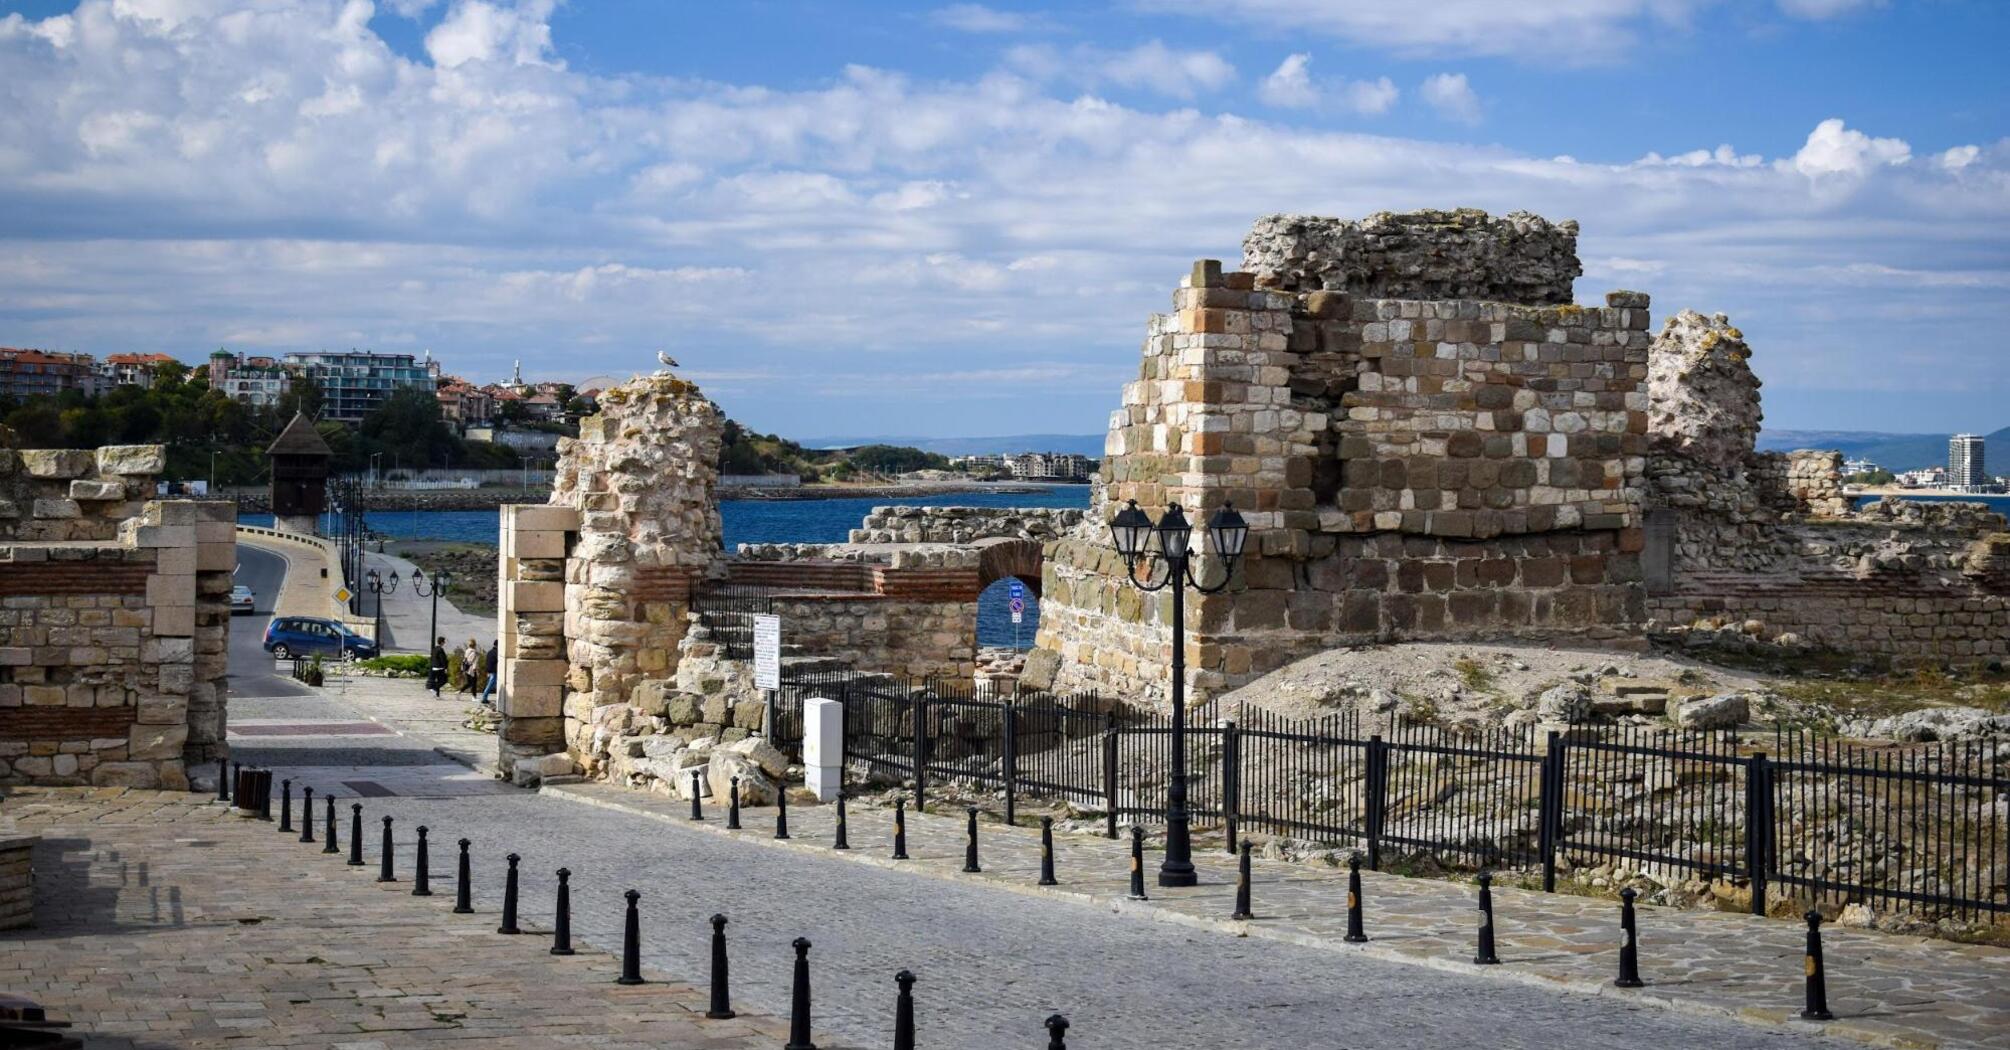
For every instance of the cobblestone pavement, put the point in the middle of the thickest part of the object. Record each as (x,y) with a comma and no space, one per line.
(164,921)
(994,960)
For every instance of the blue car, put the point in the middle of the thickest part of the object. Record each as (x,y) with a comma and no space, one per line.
(289,636)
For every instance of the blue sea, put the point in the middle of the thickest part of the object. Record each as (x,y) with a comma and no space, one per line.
(777,521)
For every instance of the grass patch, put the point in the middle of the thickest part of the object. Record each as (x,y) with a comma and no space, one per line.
(1879,696)
(1474,674)
(412,665)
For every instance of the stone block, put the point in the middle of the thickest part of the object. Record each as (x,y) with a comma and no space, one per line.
(96,491)
(165,591)
(537,597)
(216,557)
(56,462)
(534,673)
(533,701)
(57,509)
(174,621)
(536,544)
(126,774)
(542,519)
(163,710)
(131,459)
(155,742)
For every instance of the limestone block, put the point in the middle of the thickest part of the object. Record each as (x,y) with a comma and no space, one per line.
(759,751)
(163,710)
(537,597)
(57,508)
(214,531)
(537,544)
(126,774)
(534,673)
(533,701)
(96,490)
(216,557)
(164,591)
(132,459)
(174,621)
(156,741)
(164,536)
(542,519)
(56,462)
(755,787)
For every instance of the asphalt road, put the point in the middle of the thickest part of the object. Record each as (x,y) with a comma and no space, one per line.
(251,669)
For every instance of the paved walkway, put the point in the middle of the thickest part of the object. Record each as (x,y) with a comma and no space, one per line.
(165,921)
(408,616)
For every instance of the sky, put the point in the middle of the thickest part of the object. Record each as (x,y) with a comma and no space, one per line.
(954,219)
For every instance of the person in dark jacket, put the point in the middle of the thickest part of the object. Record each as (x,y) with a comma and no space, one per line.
(491,668)
(436,677)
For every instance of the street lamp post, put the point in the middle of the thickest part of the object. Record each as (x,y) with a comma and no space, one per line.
(1132,531)
(441,580)
(376,585)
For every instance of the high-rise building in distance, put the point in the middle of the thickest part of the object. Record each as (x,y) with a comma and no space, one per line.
(1965,468)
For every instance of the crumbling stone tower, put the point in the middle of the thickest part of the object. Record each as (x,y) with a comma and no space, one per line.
(1427,437)
(596,584)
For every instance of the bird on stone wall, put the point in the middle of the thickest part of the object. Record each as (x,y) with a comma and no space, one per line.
(668,361)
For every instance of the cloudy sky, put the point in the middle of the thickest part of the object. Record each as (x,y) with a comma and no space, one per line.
(879,218)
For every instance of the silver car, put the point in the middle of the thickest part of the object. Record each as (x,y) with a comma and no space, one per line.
(242,600)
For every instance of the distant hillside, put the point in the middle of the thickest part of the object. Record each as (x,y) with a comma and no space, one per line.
(1081,444)
(1891,451)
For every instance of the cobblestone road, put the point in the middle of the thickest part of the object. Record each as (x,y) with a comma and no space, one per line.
(993,962)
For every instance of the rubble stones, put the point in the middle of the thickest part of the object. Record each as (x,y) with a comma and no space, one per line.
(1462,254)
(1722,711)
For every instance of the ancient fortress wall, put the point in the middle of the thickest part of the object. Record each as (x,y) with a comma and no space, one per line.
(114,620)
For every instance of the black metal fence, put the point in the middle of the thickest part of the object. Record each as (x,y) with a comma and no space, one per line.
(728,611)
(1913,827)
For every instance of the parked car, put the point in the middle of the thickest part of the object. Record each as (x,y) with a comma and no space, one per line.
(289,636)
(242,600)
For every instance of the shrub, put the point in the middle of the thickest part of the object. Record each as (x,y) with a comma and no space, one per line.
(404,665)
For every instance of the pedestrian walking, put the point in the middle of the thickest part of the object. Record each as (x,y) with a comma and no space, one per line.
(491,665)
(436,673)
(471,668)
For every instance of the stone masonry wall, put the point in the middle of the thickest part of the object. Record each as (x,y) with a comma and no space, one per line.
(113,637)
(631,530)
(963,524)
(1462,254)
(1409,468)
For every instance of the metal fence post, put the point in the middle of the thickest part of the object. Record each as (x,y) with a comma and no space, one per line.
(1378,797)
(1758,827)
(1231,781)
(1550,816)
(920,708)
(1110,775)
(1011,759)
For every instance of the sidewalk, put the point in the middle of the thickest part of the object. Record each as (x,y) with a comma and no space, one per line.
(1884,990)
(408,616)
(163,920)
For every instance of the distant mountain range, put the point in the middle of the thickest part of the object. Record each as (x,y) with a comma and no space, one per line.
(1081,444)
(1891,451)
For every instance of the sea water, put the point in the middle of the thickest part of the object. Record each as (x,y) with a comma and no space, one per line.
(775,521)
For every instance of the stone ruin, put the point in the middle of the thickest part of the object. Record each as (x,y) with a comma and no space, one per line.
(1429,439)
(114,620)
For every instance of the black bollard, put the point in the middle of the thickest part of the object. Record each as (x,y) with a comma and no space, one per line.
(1242,913)
(1057,1033)
(903,1012)
(697,808)
(328,839)
(1629,947)
(722,1000)
(839,842)
(307,814)
(1817,1006)
(1137,863)
(1047,852)
(1485,955)
(1355,933)
(561,934)
(222,781)
(970,843)
(900,828)
(509,898)
(422,876)
(286,805)
(462,905)
(355,834)
(631,943)
(799,1000)
(385,855)
(264,777)
(733,813)
(781,811)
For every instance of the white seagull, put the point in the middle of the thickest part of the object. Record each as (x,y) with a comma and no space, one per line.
(666,359)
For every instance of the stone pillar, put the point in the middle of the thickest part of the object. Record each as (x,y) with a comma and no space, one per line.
(605,575)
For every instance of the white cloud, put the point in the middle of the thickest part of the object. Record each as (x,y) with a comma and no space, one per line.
(977,18)
(1180,74)
(1581,31)
(484,31)
(165,193)
(1833,149)
(1290,86)
(1451,96)
(1823,9)
(411,9)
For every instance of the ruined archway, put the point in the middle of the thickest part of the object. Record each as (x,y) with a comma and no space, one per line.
(1005,556)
